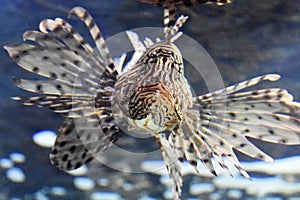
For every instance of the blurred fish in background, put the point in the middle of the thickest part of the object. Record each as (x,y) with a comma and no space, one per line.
(238,36)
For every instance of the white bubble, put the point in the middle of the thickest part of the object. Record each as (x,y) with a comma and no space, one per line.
(6,163)
(83,183)
(165,180)
(234,194)
(45,138)
(128,186)
(15,175)
(201,188)
(146,198)
(17,157)
(215,196)
(168,194)
(58,191)
(103,182)
(105,196)
(79,171)
(40,196)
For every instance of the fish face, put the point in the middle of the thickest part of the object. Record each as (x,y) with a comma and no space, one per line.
(155,93)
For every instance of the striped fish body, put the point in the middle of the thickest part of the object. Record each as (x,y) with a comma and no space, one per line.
(154,94)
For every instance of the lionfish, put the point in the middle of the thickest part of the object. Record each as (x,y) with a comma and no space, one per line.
(152,96)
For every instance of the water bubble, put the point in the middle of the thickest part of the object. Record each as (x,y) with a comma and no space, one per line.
(6,163)
(201,188)
(215,196)
(103,182)
(84,183)
(105,196)
(146,198)
(234,194)
(165,180)
(128,186)
(58,191)
(45,138)
(40,196)
(17,157)
(168,194)
(15,175)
